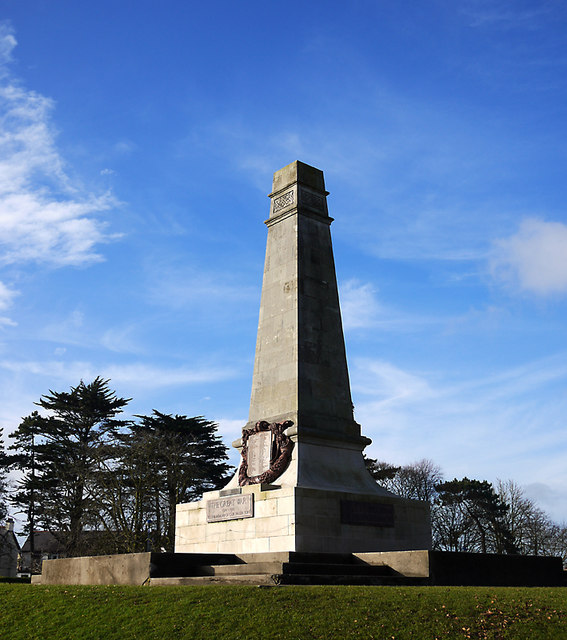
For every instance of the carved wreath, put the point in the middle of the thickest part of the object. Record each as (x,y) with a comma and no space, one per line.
(280,457)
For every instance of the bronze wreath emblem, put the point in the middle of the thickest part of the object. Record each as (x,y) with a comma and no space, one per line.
(280,457)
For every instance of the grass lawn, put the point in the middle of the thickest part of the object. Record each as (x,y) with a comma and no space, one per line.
(218,612)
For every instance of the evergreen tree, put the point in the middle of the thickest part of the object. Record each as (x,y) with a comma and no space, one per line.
(157,463)
(3,480)
(381,471)
(185,457)
(471,517)
(60,455)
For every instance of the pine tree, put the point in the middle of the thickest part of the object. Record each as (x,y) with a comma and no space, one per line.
(3,480)
(472,518)
(60,455)
(185,458)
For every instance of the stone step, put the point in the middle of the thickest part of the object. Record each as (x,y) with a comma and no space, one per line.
(252,568)
(313,568)
(292,568)
(290,579)
(251,579)
(323,558)
(163,565)
(347,579)
(295,556)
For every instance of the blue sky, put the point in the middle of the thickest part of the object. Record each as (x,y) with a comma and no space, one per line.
(137,148)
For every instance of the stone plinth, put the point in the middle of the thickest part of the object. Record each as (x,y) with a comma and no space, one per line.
(306,520)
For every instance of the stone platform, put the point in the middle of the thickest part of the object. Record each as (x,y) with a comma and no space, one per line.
(300,519)
(287,568)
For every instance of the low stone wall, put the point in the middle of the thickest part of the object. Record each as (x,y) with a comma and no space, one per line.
(476,569)
(132,568)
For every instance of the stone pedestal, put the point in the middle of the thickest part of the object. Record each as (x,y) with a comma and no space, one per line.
(301,436)
(305,520)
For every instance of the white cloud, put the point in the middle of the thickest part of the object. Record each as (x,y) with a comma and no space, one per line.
(43,216)
(7,43)
(178,287)
(503,15)
(361,309)
(124,147)
(231,429)
(359,306)
(388,383)
(138,375)
(6,296)
(120,339)
(141,375)
(506,425)
(534,259)
(71,329)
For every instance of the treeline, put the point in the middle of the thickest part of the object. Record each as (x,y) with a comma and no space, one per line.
(102,484)
(474,515)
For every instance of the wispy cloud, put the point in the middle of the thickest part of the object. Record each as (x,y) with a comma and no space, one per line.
(362,309)
(509,424)
(504,15)
(143,375)
(389,384)
(138,374)
(534,259)
(187,286)
(44,216)
(359,305)
(6,297)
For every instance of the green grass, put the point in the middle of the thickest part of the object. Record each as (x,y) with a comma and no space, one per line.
(219,612)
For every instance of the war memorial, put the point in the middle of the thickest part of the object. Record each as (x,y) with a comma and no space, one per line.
(302,484)
(302,508)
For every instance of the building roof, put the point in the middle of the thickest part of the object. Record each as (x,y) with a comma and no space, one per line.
(44,542)
(8,537)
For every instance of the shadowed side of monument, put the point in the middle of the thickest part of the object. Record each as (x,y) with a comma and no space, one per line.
(301,451)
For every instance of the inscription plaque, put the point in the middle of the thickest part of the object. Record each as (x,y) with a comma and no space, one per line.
(230,508)
(259,452)
(367,513)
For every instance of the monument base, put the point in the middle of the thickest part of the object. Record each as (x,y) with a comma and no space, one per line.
(262,519)
(400,568)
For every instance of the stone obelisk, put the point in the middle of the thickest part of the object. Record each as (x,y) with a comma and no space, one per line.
(302,484)
(300,369)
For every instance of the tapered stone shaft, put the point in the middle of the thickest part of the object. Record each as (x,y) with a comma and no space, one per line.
(300,370)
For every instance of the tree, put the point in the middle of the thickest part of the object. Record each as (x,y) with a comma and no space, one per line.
(60,455)
(418,481)
(381,471)
(159,462)
(415,481)
(529,525)
(471,517)
(3,480)
(557,542)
